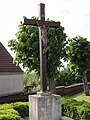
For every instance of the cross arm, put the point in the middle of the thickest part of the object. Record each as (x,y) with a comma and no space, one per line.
(41,22)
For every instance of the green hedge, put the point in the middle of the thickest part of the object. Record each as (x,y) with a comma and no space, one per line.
(9,114)
(76,110)
(6,106)
(22,108)
(14,111)
(10,117)
(10,111)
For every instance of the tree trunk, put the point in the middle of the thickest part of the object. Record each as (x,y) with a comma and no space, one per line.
(52,87)
(85,84)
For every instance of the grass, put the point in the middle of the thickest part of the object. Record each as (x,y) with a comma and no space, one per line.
(81,97)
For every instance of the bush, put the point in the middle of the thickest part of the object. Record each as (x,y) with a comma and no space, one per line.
(22,108)
(75,109)
(69,108)
(9,111)
(9,114)
(84,111)
(10,117)
(14,111)
(6,106)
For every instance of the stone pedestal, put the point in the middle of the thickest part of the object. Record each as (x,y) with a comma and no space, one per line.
(44,107)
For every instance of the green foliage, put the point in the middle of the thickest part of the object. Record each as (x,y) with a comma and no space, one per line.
(31,82)
(26,48)
(9,114)
(78,52)
(10,111)
(76,109)
(6,106)
(65,77)
(10,117)
(14,111)
(22,108)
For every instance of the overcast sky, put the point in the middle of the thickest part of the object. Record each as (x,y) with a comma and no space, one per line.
(74,16)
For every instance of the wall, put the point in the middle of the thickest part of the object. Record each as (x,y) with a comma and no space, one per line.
(14,97)
(70,90)
(61,90)
(11,83)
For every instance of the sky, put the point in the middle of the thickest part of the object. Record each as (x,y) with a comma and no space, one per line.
(74,16)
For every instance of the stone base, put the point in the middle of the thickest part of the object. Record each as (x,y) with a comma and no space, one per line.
(66,118)
(45,107)
(44,93)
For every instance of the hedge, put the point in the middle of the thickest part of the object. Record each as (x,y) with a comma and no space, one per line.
(6,106)
(9,114)
(76,109)
(22,108)
(14,111)
(10,111)
(10,117)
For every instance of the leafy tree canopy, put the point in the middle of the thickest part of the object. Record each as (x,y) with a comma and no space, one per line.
(78,52)
(26,48)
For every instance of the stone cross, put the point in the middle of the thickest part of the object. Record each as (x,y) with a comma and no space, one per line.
(43,26)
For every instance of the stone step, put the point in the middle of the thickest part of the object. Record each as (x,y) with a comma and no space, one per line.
(66,118)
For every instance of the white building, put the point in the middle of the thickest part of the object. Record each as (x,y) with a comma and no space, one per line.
(11,76)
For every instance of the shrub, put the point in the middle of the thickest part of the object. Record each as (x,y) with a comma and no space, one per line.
(22,108)
(9,111)
(6,106)
(10,117)
(75,109)
(85,111)
(69,108)
(14,109)
(9,114)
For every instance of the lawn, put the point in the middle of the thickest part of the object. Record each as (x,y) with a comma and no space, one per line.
(81,97)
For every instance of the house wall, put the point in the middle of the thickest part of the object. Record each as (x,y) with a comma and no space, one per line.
(11,83)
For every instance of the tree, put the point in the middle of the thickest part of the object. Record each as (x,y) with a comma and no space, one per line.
(31,82)
(26,49)
(65,77)
(78,55)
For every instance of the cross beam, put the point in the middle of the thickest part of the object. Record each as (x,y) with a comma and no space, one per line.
(40,23)
(43,25)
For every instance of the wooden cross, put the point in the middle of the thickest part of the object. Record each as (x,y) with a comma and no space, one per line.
(43,25)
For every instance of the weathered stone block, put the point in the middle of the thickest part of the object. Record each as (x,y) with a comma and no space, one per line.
(44,107)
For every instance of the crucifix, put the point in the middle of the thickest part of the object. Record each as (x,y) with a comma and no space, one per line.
(43,26)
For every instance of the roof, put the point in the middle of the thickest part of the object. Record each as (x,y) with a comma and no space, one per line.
(6,61)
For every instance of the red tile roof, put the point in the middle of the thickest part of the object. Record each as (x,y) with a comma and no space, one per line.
(6,61)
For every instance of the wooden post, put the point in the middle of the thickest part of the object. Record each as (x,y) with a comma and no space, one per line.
(42,40)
